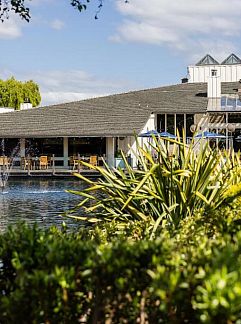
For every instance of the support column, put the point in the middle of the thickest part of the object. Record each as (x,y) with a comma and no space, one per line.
(66,151)
(110,151)
(133,148)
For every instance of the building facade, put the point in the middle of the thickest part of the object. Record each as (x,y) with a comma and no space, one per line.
(208,99)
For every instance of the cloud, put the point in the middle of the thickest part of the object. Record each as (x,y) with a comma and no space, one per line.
(10,29)
(64,86)
(60,97)
(186,25)
(57,24)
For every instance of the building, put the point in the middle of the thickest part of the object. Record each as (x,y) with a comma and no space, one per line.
(208,99)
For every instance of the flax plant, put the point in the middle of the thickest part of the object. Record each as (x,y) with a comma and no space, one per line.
(172,181)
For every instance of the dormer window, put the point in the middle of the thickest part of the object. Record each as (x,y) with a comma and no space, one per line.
(214,73)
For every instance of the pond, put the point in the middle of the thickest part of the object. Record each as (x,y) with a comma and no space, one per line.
(39,200)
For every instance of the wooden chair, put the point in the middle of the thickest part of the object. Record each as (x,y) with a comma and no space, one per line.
(43,162)
(4,161)
(26,163)
(94,160)
(74,162)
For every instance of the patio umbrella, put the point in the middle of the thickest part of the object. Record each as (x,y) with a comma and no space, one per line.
(166,134)
(156,133)
(207,134)
(150,133)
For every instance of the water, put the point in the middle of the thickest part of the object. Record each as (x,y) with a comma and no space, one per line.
(40,201)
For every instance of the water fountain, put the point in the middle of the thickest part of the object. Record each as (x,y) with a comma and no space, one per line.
(6,164)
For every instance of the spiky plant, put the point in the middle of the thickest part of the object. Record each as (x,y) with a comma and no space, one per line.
(172,180)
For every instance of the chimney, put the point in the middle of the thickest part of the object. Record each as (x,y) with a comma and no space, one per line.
(184,80)
(25,106)
(214,85)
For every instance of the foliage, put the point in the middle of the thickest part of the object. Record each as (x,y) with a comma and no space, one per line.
(164,189)
(58,277)
(13,93)
(19,8)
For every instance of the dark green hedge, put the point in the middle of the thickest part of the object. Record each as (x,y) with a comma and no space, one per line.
(55,277)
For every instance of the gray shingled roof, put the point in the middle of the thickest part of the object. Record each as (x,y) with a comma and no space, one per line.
(114,115)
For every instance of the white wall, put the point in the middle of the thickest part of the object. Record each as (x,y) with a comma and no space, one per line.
(5,110)
(227,73)
(214,87)
(25,105)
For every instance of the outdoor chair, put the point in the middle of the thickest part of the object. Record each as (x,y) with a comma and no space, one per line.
(74,162)
(94,160)
(43,162)
(26,163)
(4,161)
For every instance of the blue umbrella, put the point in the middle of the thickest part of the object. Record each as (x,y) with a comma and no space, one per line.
(150,133)
(156,133)
(207,134)
(166,134)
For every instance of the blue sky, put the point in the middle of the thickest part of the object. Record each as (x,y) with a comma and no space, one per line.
(138,45)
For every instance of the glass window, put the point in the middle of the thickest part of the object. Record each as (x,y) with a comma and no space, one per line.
(9,147)
(180,123)
(87,146)
(231,102)
(161,122)
(44,146)
(189,123)
(170,124)
(234,118)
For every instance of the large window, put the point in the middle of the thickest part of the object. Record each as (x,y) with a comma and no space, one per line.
(161,122)
(234,118)
(180,123)
(87,145)
(9,147)
(171,124)
(44,146)
(175,120)
(189,123)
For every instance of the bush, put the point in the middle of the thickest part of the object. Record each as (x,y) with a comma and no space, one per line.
(164,189)
(57,277)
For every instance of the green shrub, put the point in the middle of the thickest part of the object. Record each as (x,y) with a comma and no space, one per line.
(98,277)
(164,189)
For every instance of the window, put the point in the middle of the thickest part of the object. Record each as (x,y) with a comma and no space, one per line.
(171,124)
(87,145)
(161,122)
(214,73)
(234,118)
(180,123)
(189,123)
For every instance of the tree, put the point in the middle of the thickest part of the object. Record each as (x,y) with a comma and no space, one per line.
(19,8)
(13,93)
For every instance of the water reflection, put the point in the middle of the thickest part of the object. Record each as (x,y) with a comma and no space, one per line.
(38,200)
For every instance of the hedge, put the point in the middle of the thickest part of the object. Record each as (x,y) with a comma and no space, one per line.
(50,276)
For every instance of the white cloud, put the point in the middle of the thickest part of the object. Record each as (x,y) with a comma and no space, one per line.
(10,29)
(188,25)
(60,97)
(65,86)
(57,24)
